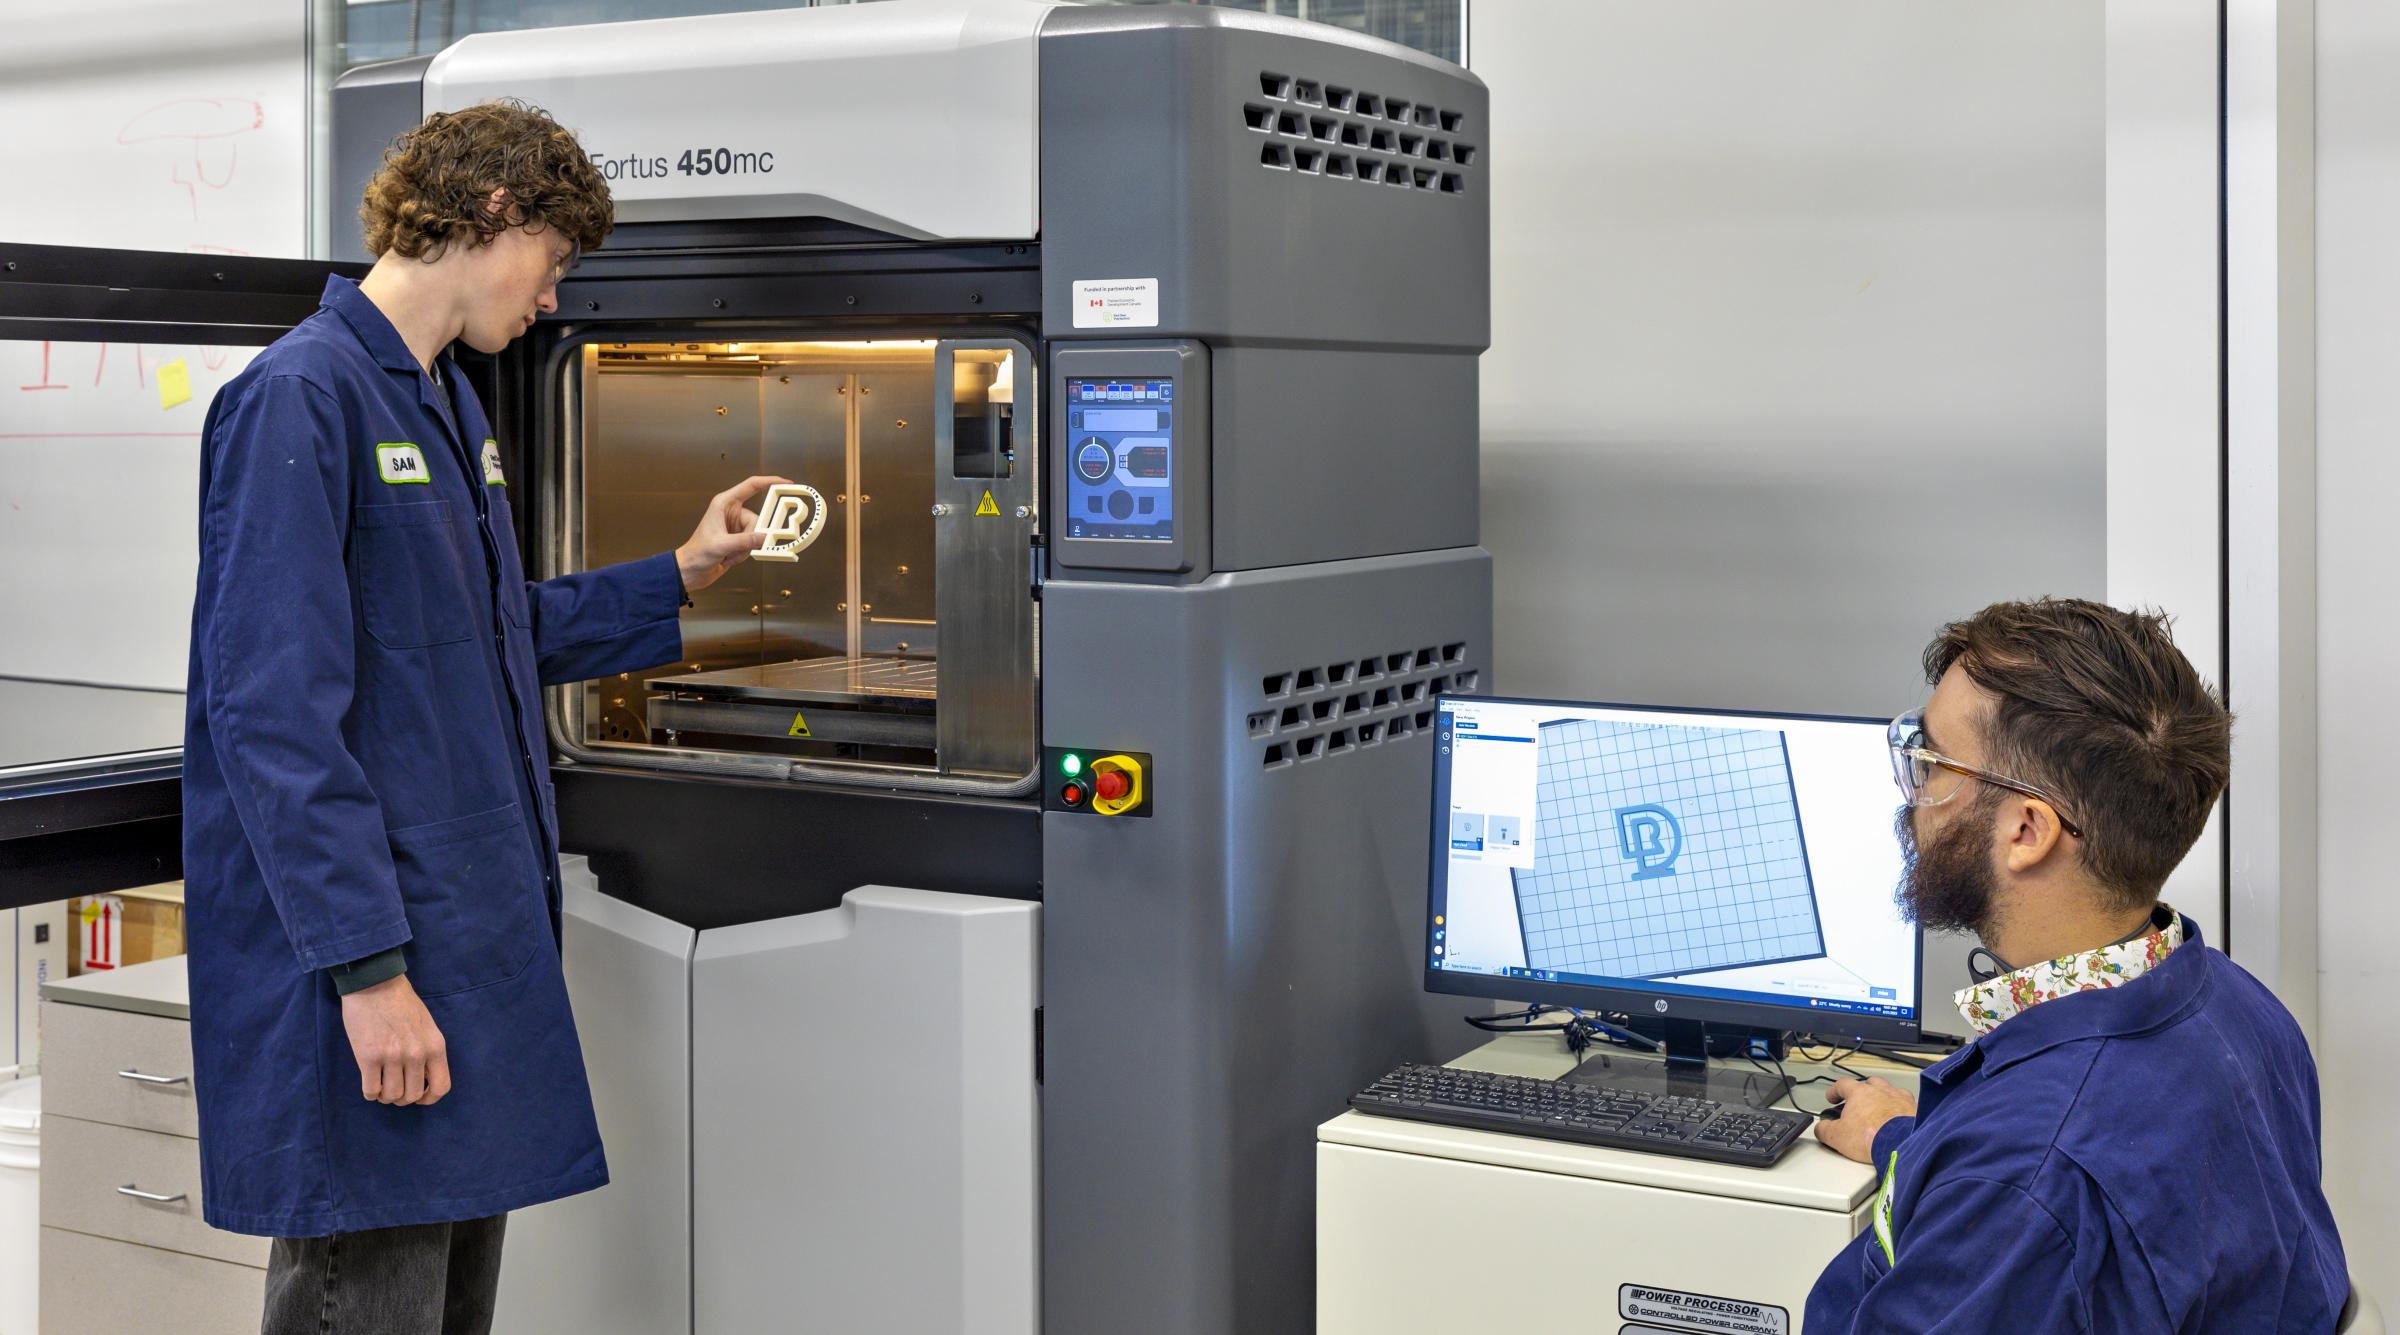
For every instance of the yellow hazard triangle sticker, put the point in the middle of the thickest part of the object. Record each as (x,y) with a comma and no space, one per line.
(799,726)
(987,506)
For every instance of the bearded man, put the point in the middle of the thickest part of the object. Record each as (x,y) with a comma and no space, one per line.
(2131,1142)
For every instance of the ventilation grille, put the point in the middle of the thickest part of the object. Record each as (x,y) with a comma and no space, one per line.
(1344,134)
(1313,712)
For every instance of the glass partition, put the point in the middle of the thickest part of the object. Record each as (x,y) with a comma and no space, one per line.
(99,475)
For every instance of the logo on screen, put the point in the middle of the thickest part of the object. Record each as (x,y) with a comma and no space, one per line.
(1650,838)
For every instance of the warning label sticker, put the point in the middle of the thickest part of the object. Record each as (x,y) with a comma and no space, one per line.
(1699,1311)
(799,724)
(987,507)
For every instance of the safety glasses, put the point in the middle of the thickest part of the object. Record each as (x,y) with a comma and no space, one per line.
(1919,772)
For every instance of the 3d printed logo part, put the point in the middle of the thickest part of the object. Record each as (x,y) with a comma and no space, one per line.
(1649,837)
(792,515)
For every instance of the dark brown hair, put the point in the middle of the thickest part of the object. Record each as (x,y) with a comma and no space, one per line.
(435,179)
(2099,707)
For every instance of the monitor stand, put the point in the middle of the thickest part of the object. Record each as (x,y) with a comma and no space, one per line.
(1685,1072)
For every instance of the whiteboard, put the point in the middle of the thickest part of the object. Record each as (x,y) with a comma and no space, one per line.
(143,125)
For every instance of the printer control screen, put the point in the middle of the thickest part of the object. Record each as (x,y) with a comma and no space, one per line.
(1120,438)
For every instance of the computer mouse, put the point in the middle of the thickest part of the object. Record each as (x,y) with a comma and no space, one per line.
(1832,1112)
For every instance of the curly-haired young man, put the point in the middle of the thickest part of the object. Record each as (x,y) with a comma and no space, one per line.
(2131,1142)
(384,1059)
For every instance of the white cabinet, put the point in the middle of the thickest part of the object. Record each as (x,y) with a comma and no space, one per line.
(1424,1229)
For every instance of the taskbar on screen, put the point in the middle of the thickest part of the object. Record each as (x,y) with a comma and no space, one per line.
(1891,1009)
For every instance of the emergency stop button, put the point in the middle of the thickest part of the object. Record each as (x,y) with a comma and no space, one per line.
(1116,785)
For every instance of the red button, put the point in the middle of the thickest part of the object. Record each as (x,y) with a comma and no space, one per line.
(1111,785)
(1072,795)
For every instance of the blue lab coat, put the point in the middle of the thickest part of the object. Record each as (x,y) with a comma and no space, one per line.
(2121,1161)
(365,767)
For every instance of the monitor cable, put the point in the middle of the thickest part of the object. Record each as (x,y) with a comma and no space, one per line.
(1833,1058)
(1834,1054)
(1581,1030)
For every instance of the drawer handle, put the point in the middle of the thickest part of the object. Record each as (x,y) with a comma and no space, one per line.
(155,1079)
(140,1195)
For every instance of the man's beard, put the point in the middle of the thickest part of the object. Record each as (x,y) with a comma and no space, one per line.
(1949,885)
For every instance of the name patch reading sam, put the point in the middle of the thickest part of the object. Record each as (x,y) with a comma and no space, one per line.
(398,463)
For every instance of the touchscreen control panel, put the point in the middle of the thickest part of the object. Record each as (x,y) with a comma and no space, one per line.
(1120,459)
(1128,459)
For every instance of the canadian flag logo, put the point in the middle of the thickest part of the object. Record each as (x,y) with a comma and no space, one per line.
(1094,303)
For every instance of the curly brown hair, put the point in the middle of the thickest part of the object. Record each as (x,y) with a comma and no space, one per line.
(435,180)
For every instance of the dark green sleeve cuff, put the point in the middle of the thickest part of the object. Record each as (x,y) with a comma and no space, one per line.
(382,966)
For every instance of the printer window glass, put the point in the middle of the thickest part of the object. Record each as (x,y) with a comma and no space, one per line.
(839,659)
(983,413)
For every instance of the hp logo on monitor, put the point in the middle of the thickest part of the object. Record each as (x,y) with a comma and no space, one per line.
(1659,1005)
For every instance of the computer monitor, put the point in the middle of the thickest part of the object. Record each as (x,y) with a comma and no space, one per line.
(1684,866)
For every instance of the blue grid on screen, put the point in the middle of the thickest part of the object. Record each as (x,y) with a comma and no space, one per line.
(1736,890)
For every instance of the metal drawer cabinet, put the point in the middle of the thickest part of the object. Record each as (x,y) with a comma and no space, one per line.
(99,1286)
(133,1186)
(118,1067)
(123,1245)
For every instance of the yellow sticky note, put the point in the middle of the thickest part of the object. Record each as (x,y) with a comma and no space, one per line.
(174,384)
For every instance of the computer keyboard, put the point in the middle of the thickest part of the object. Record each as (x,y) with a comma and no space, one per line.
(1691,1128)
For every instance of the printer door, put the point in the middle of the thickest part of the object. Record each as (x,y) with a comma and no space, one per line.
(107,362)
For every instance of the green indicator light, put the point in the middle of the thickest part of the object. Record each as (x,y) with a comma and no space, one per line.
(1072,764)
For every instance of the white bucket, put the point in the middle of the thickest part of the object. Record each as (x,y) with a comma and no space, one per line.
(20,1205)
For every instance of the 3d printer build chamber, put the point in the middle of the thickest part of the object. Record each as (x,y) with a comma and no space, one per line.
(837,661)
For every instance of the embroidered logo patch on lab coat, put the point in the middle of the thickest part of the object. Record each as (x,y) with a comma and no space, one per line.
(491,465)
(399,462)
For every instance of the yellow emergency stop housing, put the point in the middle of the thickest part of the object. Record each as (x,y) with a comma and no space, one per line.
(1133,795)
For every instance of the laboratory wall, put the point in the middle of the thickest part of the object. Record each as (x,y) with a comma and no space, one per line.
(2358,621)
(1797,344)
(1797,338)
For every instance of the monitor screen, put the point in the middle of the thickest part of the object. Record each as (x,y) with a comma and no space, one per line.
(1613,857)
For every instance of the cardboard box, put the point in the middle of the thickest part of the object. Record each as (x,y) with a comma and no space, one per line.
(129,927)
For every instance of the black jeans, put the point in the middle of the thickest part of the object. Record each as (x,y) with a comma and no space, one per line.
(418,1279)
